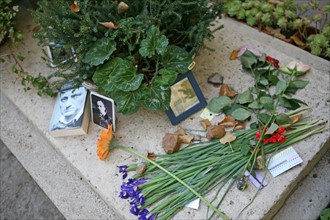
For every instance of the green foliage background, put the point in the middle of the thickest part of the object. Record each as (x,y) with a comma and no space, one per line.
(136,63)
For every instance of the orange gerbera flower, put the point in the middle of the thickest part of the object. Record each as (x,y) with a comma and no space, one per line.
(103,144)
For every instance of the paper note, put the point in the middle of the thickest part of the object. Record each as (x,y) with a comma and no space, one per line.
(283,161)
(257,180)
(207,114)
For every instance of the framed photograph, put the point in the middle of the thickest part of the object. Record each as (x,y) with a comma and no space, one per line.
(102,110)
(186,98)
(58,54)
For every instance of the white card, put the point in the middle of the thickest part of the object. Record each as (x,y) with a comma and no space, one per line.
(193,204)
(207,114)
(283,161)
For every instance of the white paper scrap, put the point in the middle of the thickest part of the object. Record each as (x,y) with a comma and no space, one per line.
(207,114)
(193,204)
(283,161)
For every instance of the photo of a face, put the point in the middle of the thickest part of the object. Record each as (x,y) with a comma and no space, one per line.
(102,110)
(183,97)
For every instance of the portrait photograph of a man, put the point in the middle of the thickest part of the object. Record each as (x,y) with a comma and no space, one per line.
(103,111)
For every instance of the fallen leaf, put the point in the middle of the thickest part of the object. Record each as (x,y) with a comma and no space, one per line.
(239,125)
(295,118)
(141,168)
(180,132)
(122,7)
(275,32)
(74,7)
(228,121)
(260,163)
(36,29)
(229,137)
(109,25)
(213,132)
(226,90)
(233,55)
(205,123)
(186,139)
(151,156)
(297,41)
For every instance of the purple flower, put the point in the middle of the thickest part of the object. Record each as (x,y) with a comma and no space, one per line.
(123,170)
(138,200)
(134,210)
(152,217)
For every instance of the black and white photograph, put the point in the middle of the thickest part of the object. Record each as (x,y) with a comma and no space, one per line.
(69,112)
(186,98)
(103,110)
(58,54)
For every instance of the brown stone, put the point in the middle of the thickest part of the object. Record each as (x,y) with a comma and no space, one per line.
(171,143)
(213,132)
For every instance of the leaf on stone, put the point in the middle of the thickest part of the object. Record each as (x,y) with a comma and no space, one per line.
(264,117)
(254,105)
(140,169)
(226,90)
(186,139)
(297,41)
(215,131)
(295,118)
(245,97)
(290,103)
(180,132)
(233,55)
(176,59)
(218,104)
(205,123)
(267,102)
(151,156)
(241,114)
(229,137)
(228,121)
(275,32)
(240,125)
(154,43)
(100,51)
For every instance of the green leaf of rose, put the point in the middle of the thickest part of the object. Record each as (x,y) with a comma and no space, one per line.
(241,114)
(245,97)
(280,87)
(272,128)
(245,149)
(100,51)
(282,119)
(218,104)
(267,102)
(290,103)
(248,59)
(254,105)
(164,78)
(154,42)
(295,85)
(264,117)
(176,59)
(156,97)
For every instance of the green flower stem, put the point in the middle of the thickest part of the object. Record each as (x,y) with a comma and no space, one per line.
(223,215)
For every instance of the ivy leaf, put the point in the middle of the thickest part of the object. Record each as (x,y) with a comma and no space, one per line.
(241,114)
(176,59)
(154,42)
(126,102)
(164,78)
(273,127)
(248,59)
(100,51)
(280,87)
(156,97)
(218,104)
(245,97)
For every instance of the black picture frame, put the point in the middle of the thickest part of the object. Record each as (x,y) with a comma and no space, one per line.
(186,98)
(108,104)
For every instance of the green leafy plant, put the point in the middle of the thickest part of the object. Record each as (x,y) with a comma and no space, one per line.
(132,51)
(8,13)
(287,20)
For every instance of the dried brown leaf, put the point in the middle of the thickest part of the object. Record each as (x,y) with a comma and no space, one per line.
(74,7)
(233,55)
(122,7)
(36,29)
(295,118)
(228,121)
(151,156)
(229,137)
(141,168)
(180,132)
(275,32)
(226,90)
(109,25)
(186,139)
(297,41)
(205,123)
(239,125)
(213,132)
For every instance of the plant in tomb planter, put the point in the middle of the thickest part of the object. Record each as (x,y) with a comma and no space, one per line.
(287,20)
(132,51)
